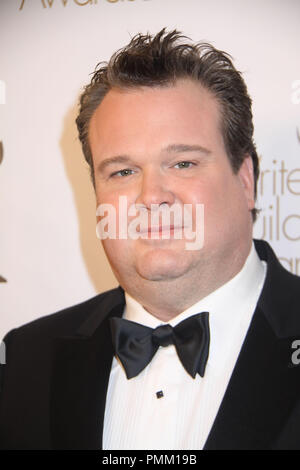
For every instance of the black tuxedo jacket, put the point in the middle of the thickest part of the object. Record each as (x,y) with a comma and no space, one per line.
(54,383)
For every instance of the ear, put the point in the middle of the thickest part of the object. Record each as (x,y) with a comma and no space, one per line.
(246,178)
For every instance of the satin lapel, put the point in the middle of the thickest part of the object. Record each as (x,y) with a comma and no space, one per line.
(79,385)
(262,381)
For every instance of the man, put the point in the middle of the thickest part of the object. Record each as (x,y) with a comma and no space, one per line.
(166,124)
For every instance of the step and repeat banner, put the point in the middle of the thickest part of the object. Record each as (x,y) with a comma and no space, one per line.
(50,256)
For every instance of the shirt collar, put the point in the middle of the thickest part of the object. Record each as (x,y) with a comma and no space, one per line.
(230,308)
(223,302)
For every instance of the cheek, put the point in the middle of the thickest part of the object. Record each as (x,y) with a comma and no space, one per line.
(113,193)
(222,201)
(118,252)
(211,195)
(226,211)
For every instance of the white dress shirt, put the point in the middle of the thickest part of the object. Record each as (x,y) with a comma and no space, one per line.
(136,419)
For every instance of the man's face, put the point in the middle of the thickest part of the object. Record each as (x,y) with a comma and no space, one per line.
(162,146)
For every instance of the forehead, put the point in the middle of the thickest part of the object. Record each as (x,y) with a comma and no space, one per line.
(156,116)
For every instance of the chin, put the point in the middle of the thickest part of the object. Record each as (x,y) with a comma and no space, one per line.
(159,265)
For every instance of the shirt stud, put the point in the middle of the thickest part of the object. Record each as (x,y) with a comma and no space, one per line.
(159,394)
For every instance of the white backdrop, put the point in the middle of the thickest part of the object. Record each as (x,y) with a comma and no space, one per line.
(49,254)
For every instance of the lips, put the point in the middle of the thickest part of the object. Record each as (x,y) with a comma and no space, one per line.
(163,229)
(160,230)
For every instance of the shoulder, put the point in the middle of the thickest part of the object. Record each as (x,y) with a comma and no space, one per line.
(280,297)
(276,273)
(31,347)
(64,322)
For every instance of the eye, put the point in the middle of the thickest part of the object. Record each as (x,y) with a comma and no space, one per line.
(184,164)
(122,173)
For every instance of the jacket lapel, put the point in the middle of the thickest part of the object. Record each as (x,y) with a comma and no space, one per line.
(264,378)
(262,381)
(80,378)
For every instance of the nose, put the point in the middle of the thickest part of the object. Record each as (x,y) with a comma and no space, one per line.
(155,189)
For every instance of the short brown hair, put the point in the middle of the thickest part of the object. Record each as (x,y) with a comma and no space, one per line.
(159,61)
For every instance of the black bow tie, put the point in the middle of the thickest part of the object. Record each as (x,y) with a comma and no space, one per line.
(136,344)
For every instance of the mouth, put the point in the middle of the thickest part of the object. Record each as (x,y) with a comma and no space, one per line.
(161,230)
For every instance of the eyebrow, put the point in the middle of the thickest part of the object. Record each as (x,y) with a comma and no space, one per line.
(112,160)
(172,148)
(179,148)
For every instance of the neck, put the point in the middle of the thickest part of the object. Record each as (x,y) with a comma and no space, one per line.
(167,299)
